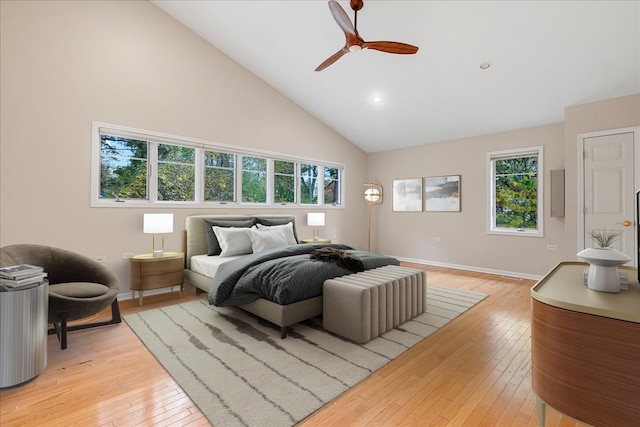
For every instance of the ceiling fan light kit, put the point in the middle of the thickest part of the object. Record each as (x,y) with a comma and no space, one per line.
(354,42)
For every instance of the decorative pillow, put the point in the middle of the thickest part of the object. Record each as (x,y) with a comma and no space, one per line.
(233,241)
(278,221)
(267,238)
(286,228)
(213,246)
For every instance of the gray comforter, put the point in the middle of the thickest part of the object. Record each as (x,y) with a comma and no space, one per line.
(283,275)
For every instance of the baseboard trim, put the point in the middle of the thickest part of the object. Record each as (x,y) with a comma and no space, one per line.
(505,274)
(508,274)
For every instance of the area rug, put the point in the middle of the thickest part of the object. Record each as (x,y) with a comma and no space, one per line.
(239,372)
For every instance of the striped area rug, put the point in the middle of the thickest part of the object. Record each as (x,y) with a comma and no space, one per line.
(239,372)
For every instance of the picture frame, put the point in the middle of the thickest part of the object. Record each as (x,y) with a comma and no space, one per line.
(407,195)
(442,193)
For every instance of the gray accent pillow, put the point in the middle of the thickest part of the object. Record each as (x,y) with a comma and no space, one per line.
(213,246)
(278,221)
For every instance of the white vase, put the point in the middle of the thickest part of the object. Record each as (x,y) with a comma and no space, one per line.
(603,268)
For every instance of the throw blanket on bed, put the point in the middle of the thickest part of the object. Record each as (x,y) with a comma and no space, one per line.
(283,275)
(339,257)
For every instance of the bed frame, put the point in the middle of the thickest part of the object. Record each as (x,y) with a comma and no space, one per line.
(195,243)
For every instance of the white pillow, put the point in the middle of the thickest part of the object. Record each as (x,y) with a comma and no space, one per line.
(288,231)
(233,240)
(267,238)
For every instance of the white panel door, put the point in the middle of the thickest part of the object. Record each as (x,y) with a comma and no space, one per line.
(609,188)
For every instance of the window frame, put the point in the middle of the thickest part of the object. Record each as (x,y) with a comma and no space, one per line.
(153,138)
(494,156)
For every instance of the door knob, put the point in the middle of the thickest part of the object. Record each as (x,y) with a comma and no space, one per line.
(626,223)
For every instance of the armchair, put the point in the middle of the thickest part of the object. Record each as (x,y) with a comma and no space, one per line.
(78,286)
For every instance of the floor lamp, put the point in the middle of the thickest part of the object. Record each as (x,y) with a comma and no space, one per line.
(373,196)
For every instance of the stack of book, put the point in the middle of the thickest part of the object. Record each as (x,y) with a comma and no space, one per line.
(21,276)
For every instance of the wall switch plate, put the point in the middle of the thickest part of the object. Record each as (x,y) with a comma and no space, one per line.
(437,238)
(552,248)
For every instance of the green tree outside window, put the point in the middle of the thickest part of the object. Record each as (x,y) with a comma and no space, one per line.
(254,179)
(219,176)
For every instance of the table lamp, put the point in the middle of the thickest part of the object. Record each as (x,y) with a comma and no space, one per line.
(315,219)
(158,224)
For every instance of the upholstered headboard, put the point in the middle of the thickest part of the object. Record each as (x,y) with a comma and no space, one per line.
(195,238)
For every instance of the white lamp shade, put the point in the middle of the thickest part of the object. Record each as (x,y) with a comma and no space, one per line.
(372,194)
(315,219)
(158,223)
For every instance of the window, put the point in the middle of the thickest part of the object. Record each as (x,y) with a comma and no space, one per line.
(135,168)
(515,199)
(308,184)
(284,182)
(219,177)
(123,168)
(331,186)
(254,179)
(176,173)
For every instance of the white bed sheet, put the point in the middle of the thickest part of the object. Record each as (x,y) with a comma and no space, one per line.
(208,265)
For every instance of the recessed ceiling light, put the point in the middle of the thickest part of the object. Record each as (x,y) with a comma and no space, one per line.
(485,65)
(377,99)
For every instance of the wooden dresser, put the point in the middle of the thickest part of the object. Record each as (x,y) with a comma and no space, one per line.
(585,348)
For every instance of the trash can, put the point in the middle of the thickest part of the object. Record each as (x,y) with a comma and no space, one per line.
(23,333)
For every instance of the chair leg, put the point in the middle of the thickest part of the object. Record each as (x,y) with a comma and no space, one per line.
(115,319)
(61,329)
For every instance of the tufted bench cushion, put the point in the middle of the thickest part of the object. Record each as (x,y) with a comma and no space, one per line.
(365,305)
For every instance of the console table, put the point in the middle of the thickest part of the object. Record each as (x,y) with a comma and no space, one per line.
(585,348)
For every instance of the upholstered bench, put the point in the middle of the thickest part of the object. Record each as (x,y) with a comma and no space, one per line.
(364,305)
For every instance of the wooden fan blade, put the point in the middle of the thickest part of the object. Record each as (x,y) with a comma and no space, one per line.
(333,58)
(342,18)
(391,47)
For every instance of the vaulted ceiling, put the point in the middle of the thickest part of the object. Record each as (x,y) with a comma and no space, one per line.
(543,56)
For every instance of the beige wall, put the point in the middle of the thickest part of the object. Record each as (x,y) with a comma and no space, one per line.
(65,64)
(464,241)
(463,238)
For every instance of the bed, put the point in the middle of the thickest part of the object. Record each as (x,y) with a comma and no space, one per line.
(204,263)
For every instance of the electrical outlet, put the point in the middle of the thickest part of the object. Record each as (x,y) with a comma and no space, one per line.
(100,258)
(437,238)
(552,248)
(127,255)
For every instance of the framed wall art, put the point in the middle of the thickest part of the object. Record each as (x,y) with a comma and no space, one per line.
(407,195)
(442,194)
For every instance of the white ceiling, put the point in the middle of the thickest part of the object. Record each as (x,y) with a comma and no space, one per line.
(544,56)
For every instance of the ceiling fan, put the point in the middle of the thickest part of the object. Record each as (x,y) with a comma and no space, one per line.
(355,43)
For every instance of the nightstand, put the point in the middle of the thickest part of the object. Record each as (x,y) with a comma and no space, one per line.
(148,272)
(319,240)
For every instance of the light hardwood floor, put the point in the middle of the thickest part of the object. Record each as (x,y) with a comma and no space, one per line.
(472,372)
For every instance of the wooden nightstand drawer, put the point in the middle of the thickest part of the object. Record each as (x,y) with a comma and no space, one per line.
(164,267)
(156,281)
